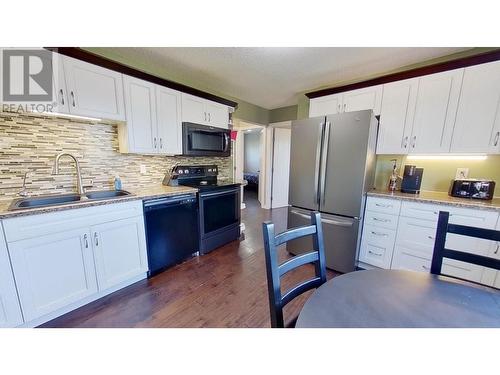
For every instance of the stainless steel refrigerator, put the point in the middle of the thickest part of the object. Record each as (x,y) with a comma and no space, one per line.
(332,166)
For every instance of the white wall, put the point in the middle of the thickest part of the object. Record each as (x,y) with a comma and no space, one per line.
(252,152)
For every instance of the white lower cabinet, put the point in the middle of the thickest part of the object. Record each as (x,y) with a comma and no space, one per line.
(62,260)
(377,246)
(10,310)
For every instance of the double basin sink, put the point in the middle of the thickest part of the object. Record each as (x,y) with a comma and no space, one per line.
(62,199)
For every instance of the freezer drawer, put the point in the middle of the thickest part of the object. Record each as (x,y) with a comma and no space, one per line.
(340,235)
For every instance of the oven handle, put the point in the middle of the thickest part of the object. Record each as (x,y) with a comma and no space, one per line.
(219,193)
(226,142)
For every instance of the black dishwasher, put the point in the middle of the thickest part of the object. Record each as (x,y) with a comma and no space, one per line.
(172,232)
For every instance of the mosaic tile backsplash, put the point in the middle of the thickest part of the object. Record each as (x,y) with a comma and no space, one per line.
(30,144)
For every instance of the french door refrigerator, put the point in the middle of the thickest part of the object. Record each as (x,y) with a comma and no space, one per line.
(332,165)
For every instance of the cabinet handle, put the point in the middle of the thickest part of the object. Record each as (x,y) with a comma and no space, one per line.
(430,237)
(154,142)
(345,107)
(73,98)
(161,143)
(86,241)
(62,96)
(96,239)
(414,143)
(374,253)
(498,248)
(381,220)
(383,205)
(209,117)
(205,115)
(404,142)
(339,108)
(425,268)
(379,234)
(497,137)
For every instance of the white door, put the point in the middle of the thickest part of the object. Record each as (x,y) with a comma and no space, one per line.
(120,251)
(325,105)
(193,109)
(141,124)
(396,116)
(362,99)
(435,112)
(93,91)
(217,114)
(10,310)
(477,125)
(168,110)
(53,271)
(281,167)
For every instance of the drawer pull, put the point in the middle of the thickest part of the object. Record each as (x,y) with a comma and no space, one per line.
(380,234)
(383,205)
(425,268)
(498,248)
(430,238)
(374,253)
(381,220)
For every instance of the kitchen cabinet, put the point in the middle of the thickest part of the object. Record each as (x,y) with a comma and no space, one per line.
(92,90)
(491,276)
(139,134)
(477,126)
(396,116)
(53,271)
(349,101)
(168,117)
(119,250)
(10,309)
(201,111)
(435,112)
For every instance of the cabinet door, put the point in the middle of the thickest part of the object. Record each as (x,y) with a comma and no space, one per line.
(168,114)
(396,116)
(435,112)
(477,127)
(141,115)
(10,310)
(366,98)
(325,105)
(193,109)
(93,91)
(377,245)
(53,271)
(217,115)
(120,251)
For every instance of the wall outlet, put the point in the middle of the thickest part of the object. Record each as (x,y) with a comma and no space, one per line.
(462,173)
(143,169)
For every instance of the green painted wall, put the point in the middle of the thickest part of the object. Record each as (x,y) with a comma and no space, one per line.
(245,111)
(283,114)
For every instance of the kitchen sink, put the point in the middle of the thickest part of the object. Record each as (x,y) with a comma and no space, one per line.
(62,199)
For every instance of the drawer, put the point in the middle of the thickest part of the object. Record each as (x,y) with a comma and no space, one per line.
(407,259)
(383,205)
(377,245)
(417,235)
(422,211)
(381,220)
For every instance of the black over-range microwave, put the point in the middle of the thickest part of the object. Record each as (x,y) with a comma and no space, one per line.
(202,140)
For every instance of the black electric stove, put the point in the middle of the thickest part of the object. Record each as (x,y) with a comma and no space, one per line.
(219,203)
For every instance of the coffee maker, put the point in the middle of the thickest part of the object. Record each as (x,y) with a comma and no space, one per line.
(412,179)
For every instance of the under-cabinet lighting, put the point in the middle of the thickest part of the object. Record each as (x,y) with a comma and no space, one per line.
(56,114)
(447,157)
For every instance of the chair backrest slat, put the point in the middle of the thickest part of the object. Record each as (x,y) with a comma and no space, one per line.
(440,251)
(275,270)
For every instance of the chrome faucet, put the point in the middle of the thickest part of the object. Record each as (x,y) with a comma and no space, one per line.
(24,192)
(79,184)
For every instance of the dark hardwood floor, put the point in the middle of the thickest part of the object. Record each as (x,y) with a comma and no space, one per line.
(226,288)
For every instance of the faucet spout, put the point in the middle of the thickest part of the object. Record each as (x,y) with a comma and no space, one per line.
(79,184)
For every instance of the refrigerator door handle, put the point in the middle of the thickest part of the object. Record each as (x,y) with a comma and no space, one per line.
(324,159)
(317,167)
(300,214)
(338,223)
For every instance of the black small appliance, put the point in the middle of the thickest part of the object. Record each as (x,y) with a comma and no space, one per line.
(219,203)
(472,188)
(412,179)
(203,140)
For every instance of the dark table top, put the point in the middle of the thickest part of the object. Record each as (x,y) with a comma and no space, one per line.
(399,299)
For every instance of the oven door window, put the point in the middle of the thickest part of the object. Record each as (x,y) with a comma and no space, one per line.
(207,141)
(220,211)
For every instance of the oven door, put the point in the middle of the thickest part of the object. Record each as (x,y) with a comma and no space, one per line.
(202,140)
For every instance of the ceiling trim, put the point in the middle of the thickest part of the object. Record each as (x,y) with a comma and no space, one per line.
(412,73)
(95,59)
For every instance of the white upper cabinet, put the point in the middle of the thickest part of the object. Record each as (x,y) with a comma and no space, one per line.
(435,112)
(396,116)
(10,310)
(168,115)
(205,112)
(477,127)
(349,101)
(139,134)
(93,91)
(362,99)
(325,105)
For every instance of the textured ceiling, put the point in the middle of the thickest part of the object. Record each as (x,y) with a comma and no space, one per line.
(273,77)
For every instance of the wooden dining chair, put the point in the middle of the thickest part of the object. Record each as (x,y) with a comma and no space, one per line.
(440,251)
(277,300)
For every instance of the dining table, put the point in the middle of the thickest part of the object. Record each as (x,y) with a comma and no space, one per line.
(400,299)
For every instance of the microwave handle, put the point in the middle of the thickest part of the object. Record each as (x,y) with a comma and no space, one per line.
(226,142)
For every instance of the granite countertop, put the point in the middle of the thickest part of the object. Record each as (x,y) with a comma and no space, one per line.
(438,198)
(157,191)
